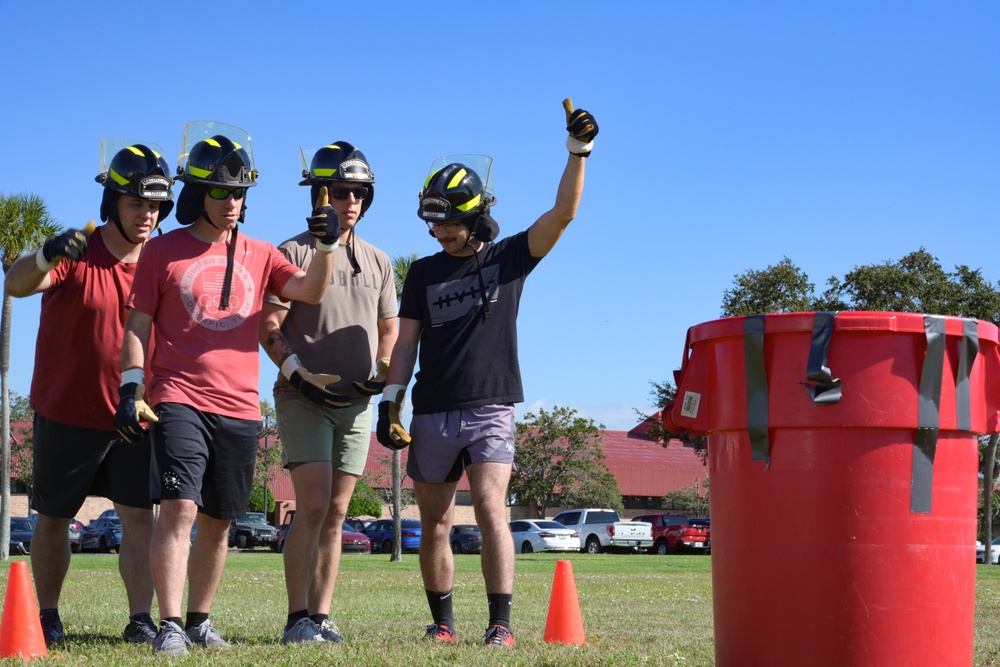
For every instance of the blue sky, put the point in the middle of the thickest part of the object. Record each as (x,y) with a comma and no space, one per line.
(732,135)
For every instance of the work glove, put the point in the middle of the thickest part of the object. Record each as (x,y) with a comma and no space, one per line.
(582,128)
(71,244)
(324,223)
(313,386)
(376,383)
(132,410)
(390,431)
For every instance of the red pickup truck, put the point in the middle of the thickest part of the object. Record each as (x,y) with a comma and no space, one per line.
(667,530)
(697,535)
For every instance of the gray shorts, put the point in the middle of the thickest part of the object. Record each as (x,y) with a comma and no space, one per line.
(310,432)
(445,442)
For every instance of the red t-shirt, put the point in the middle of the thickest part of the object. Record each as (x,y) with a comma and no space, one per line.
(78,350)
(203,356)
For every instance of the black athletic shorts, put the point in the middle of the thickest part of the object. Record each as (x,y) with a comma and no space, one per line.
(203,457)
(70,463)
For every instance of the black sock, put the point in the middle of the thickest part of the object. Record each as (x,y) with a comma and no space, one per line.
(441,610)
(195,618)
(176,620)
(500,604)
(319,618)
(49,614)
(296,616)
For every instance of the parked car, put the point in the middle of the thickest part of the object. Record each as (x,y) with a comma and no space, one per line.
(542,535)
(194,531)
(357,525)
(75,527)
(667,530)
(110,513)
(380,534)
(354,542)
(351,541)
(994,552)
(466,539)
(251,530)
(21,530)
(103,534)
(697,535)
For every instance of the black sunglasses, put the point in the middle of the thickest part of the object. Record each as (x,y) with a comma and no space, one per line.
(341,192)
(223,193)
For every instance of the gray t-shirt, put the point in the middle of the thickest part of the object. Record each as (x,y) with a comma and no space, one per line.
(338,336)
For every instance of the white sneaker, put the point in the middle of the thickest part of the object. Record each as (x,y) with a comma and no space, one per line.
(302,632)
(205,635)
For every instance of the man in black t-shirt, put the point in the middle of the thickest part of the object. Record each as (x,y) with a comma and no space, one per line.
(459,308)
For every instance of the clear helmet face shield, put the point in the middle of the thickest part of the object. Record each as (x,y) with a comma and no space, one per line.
(199,130)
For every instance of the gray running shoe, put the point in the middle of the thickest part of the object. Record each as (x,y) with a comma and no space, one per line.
(304,631)
(140,630)
(331,633)
(205,635)
(171,640)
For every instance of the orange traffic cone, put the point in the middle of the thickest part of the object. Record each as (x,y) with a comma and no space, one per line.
(20,627)
(564,625)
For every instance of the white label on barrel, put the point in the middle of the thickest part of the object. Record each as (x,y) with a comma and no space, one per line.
(690,406)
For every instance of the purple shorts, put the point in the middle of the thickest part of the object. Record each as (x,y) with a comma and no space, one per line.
(445,442)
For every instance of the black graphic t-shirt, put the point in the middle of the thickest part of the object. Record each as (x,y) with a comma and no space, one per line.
(467,360)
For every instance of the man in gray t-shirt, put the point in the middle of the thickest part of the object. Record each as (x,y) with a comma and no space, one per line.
(325,416)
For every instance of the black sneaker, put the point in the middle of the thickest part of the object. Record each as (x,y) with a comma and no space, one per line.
(140,630)
(52,627)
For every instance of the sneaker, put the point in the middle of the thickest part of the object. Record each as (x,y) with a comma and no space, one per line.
(303,631)
(52,627)
(205,635)
(331,633)
(441,634)
(140,629)
(171,641)
(498,635)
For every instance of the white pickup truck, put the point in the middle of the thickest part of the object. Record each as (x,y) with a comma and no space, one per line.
(601,530)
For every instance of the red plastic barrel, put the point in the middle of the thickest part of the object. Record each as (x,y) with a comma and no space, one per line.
(818,557)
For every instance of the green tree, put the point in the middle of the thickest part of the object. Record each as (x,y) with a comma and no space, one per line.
(780,288)
(692,501)
(21,440)
(559,457)
(364,501)
(268,457)
(24,224)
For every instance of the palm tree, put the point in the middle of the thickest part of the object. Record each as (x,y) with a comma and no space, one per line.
(24,223)
(400,267)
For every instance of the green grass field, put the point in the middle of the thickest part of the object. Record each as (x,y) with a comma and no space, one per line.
(637,610)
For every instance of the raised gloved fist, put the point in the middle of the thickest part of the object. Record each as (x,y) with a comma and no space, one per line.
(324,223)
(376,383)
(313,385)
(390,431)
(132,410)
(582,128)
(71,244)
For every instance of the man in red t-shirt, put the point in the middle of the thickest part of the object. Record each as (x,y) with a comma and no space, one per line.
(199,291)
(77,451)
